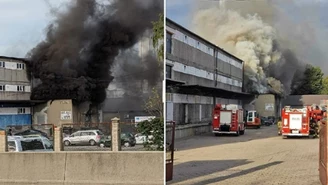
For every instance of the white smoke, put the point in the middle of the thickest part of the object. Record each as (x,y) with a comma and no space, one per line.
(247,37)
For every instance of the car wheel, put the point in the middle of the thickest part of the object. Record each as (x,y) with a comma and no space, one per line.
(92,142)
(126,144)
(102,145)
(67,143)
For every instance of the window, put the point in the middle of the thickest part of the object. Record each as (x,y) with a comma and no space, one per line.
(11,146)
(91,134)
(2,88)
(20,88)
(21,110)
(35,144)
(20,66)
(2,64)
(84,133)
(168,42)
(168,71)
(47,144)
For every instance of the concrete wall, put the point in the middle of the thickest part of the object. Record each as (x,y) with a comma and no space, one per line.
(59,168)
(182,131)
(50,112)
(263,105)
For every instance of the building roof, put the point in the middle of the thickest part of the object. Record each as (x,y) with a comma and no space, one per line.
(204,40)
(303,100)
(15,58)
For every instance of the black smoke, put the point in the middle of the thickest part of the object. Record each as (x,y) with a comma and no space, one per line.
(75,59)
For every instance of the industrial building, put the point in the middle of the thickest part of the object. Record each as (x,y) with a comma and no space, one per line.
(199,74)
(15,90)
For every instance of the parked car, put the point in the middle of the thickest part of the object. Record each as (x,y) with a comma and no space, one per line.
(127,140)
(83,137)
(265,121)
(32,132)
(272,119)
(32,143)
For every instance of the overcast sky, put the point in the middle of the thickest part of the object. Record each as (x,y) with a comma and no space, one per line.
(23,24)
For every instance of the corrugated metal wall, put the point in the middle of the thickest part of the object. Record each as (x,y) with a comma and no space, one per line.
(20,119)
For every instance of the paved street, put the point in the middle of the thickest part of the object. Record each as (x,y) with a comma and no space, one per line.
(260,157)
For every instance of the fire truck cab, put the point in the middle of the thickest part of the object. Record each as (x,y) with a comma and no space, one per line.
(295,121)
(228,119)
(252,119)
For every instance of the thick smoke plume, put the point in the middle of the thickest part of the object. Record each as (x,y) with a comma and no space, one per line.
(272,45)
(75,59)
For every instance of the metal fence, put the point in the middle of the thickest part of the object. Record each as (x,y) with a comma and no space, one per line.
(170,136)
(46,130)
(323,153)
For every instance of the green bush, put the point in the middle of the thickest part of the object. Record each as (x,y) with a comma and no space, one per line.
(154,128)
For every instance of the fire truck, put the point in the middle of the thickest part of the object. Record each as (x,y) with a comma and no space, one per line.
(252,119)
(228,119)
(303,121)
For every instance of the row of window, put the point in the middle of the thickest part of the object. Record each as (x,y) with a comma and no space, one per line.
(11,65)
(196,44)
(12,88)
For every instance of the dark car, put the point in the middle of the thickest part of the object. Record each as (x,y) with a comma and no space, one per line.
(272,119)
(127,140)
(265,121)
(32,132)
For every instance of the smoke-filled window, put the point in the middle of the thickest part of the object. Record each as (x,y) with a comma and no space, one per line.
(168,42)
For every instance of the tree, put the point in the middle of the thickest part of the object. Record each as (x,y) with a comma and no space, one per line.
(154,104)
(309,83)
(325,86)
(158,37)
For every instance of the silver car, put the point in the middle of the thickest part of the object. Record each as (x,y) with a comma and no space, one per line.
(83,137)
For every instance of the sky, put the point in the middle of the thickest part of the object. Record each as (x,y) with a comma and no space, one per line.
(23,24)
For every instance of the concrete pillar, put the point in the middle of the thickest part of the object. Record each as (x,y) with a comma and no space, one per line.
(116,135)
(58,139)
(3,141)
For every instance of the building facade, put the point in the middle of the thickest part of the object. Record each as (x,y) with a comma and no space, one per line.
(15,92)
(199,75)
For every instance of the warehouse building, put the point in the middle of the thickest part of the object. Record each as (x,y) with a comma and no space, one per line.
(199,75)
(15,91)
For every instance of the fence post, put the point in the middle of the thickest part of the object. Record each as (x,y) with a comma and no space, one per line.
(58,139)
(116,135)
(3,141)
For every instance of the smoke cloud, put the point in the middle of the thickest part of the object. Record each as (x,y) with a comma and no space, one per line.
(81,45)
(273,44)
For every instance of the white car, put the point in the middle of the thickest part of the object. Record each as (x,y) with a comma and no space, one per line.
(30,143)
(83,137)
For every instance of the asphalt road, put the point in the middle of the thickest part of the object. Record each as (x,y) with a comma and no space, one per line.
(260,157)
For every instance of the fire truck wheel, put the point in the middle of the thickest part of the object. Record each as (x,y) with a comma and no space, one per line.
(242,132)
(238,133)
(217,135)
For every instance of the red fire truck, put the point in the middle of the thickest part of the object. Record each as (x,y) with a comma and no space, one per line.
(228,119)
(301,121)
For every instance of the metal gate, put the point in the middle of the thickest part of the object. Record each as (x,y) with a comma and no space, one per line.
(323,153)
(170,131)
